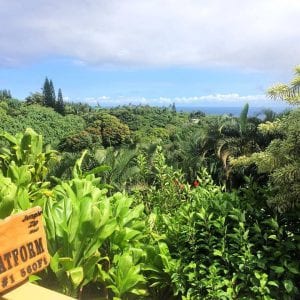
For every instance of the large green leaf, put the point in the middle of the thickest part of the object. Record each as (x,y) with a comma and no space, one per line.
(76,275)
(8,194)
(288,285)
(127,276)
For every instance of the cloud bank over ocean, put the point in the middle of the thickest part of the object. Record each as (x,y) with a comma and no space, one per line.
(232,99)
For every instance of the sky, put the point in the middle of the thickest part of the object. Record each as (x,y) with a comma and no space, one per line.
(114,52)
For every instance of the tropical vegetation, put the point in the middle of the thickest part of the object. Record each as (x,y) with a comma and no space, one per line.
(144,202)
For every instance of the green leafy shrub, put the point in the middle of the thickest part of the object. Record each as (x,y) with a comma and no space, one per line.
(94,238)
(225,249)
(165,191)
(8,193)
(24,166)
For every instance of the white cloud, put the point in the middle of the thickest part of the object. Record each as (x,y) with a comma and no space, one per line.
(231,99)
(256,34)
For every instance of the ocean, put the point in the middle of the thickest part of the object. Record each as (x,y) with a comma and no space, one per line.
(235,111)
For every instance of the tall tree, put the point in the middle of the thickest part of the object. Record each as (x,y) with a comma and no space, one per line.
(53,97)
(173,108)
(5,94)
(60,105)
(49,93)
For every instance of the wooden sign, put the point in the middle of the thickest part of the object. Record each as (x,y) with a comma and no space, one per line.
(23,247)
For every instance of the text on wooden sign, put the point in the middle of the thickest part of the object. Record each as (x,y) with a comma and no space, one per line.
(23,247)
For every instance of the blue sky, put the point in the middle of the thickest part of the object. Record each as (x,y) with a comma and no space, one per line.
(199,53)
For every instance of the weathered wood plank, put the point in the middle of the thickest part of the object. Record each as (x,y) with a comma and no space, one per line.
(23,247)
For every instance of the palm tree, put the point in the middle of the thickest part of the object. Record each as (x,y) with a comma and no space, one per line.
(191,150)
(239,137)
(288,93)
(123,168)
(269,115)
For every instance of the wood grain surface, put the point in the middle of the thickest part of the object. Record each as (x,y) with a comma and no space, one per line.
(23,248)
